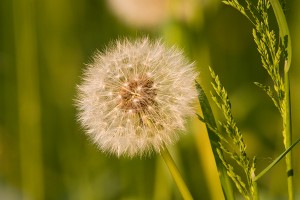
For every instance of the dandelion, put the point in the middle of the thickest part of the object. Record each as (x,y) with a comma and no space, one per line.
(135,97)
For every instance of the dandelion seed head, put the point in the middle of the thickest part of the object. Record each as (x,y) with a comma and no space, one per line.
(136,96)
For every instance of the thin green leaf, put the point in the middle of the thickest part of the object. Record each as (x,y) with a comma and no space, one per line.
(209,118)
(276,161)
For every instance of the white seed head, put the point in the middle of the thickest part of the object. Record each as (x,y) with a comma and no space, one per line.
(130,111)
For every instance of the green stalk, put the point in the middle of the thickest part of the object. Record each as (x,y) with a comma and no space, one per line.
(255,191)
(288,136)
(176,175)
(287,132)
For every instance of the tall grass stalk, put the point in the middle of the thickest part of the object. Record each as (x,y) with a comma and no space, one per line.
(271,55)
(287,122)
(255,189)
(288,132)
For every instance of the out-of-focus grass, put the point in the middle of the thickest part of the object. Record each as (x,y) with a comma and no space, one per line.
(29,105)
(43,151)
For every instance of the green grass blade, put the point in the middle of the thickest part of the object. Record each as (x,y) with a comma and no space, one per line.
(276,160)
(214,140)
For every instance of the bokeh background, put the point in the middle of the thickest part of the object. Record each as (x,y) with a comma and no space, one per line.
(44,45)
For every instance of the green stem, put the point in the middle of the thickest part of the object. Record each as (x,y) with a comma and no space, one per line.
(288,136)
(287,132)
(255,191)
(176,175)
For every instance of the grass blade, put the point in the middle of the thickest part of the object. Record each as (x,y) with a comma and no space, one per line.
(276,160)
(214,140)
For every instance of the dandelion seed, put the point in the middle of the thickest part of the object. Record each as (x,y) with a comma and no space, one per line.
(142,107)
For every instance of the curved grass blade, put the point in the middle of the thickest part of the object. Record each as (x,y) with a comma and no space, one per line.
(276,160)
(209,120)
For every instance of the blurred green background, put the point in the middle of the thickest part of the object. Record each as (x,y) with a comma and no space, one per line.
(44,45)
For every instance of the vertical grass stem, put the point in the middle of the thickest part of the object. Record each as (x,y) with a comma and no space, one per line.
(287,132)
(255,189)
(288,135)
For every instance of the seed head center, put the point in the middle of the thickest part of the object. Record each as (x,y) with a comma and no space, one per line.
(137,95)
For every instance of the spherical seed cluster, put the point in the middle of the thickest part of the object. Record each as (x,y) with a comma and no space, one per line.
(136,96)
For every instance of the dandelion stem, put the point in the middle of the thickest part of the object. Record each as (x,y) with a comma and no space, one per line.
(176,175)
